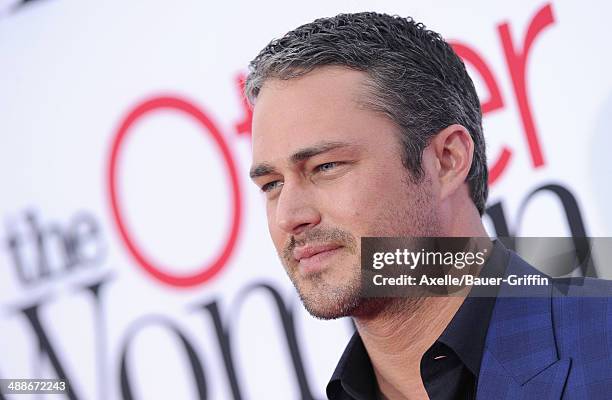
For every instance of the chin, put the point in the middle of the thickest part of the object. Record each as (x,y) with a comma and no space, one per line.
(327,302)
(359,307)
(330,311)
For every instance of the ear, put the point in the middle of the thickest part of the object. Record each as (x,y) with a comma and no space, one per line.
(453,150)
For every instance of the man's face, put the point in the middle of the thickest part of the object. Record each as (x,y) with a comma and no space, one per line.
(332,172)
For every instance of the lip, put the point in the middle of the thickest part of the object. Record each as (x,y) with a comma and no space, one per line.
(311,257)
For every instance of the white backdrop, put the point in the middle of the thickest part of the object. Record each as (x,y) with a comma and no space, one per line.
(134,255)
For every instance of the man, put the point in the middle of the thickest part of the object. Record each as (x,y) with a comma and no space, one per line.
(368,125)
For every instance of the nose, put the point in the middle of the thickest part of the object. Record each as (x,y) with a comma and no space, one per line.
(296,209)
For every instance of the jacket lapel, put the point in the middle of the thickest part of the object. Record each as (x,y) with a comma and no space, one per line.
(520,360)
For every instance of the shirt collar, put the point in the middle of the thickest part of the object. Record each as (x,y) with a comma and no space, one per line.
(467,331)
(354,373)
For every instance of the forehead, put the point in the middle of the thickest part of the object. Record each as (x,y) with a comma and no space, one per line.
(323,105)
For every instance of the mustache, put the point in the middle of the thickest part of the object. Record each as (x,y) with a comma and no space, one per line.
(320,235)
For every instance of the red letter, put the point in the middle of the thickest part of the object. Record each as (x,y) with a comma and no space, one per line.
(189,110)
(517,62)
(494,102)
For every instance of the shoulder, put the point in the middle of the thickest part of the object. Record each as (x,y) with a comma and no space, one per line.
(582,316)
(580,309)
(581,287)
(583,299)
(588,299)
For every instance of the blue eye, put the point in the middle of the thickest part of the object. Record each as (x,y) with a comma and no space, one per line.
(327,166)
(270,186)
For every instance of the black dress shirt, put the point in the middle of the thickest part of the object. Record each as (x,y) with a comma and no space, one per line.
(450,367)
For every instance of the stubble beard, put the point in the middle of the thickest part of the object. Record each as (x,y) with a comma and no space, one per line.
(322,297)
(327,299)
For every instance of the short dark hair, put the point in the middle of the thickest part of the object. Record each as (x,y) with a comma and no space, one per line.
(417,79)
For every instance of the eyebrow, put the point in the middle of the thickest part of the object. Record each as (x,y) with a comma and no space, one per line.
(263,169)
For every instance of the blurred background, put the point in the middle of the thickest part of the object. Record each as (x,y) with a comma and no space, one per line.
(135,260)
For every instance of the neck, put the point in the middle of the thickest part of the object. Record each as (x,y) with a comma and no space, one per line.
(397,338)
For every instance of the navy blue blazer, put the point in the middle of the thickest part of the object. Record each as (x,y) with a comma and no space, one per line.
(548,342)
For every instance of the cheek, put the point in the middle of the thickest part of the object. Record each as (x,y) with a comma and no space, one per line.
(354,206)
(276,234)
(368,205)
(374,190)
(270,215)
